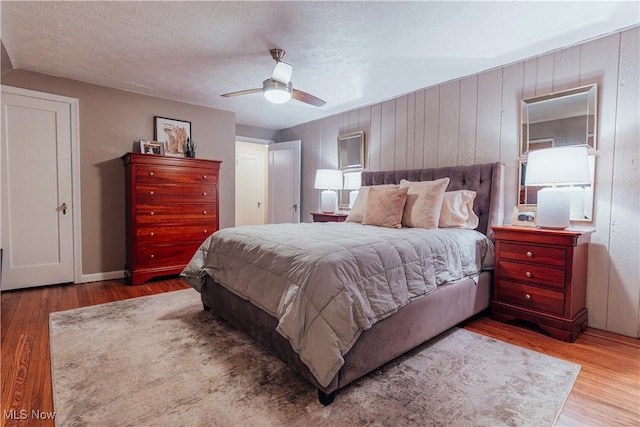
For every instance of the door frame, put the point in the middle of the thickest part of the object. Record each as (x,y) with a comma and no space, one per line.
(74,109)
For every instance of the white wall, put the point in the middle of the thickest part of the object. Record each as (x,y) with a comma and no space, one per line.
(475,120)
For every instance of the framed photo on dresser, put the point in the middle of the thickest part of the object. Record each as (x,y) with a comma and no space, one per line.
(173,134)
(152,147)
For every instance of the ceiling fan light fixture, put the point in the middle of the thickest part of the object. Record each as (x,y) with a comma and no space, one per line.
(276,92)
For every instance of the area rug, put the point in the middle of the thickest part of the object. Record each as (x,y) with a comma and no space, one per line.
(162,360)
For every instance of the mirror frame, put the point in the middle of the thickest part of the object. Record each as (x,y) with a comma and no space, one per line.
(592,105)
(522,188)
(343,142)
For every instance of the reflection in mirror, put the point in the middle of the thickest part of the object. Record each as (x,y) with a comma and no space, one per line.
(581,195)
(558,119)
(351,151)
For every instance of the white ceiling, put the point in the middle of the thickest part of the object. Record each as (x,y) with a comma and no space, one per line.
(348,53)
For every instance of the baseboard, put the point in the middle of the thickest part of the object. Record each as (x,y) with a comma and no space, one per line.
(107,275)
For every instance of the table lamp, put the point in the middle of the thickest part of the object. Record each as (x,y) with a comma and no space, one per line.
(352,183)
(556,166)
(328,180)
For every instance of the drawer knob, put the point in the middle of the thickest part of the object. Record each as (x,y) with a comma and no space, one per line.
(204,193)
(152,234)
(152,256)
(204,176)
(152,213)
(151,193)
(529,254)
(528,274)
(527,296)
(204,231)
(204,212)
(150,173)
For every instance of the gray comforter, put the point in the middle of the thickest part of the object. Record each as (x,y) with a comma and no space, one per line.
(328,282)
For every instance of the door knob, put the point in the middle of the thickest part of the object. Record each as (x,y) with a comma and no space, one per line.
(259,204)
(64,208)
(295,208)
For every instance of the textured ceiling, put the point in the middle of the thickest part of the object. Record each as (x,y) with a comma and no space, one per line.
(348,53)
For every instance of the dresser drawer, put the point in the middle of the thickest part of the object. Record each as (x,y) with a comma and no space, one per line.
(531,297)
(165,255)
(184,213)
(155,174)
(532,273)
(531,253)
(151,234)
(149,193)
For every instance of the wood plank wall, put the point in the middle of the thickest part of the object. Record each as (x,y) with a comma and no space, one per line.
(475,120)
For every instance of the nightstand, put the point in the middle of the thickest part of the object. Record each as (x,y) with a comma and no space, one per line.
(541,276)
(329,217)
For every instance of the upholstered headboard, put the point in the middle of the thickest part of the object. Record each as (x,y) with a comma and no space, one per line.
(485,179)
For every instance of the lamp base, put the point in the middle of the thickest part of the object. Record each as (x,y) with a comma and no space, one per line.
(329,201)
(554,208)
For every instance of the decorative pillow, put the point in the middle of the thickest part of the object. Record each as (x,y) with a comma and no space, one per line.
(385,207)
(457,210)
(424,202)
(356,214)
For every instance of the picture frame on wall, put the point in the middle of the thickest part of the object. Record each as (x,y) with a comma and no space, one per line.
(152,147)
(173,134)
(524,216)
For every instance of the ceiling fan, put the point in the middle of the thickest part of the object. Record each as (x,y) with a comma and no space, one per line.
(278,88)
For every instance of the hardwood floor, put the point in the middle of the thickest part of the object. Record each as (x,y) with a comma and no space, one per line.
(607,391)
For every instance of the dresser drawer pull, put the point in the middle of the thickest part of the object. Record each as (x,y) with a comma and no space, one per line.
(152,213)
(528,274)
(204,231)
(204,212)
(152,234)
(529,254)
(152,256)
(150,173)
(527,297)
(204,176)
(204,193)
(151,193)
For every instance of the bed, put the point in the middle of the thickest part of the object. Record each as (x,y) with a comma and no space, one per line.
(385,327)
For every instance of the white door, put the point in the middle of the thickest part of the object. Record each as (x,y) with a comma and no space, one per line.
(284,182)
(251,183)
(37,225)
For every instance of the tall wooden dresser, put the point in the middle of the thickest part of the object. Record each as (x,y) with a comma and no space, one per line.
(172,207)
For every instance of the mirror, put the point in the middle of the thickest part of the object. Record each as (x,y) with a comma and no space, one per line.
(351,151)
(562,118)
(581,195)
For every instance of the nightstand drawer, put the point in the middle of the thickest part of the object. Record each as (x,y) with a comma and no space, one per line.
(531,297)
(532,273)
(535,254)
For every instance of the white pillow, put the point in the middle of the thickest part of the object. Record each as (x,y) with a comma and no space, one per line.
(424,202)
(356,214)
(457,210)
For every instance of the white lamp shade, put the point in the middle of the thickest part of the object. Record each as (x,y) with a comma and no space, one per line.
(352,180)
(328,179)
(558,166)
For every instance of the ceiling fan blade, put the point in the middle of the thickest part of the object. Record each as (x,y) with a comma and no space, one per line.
(242,92)
(282,72)
(307,98)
